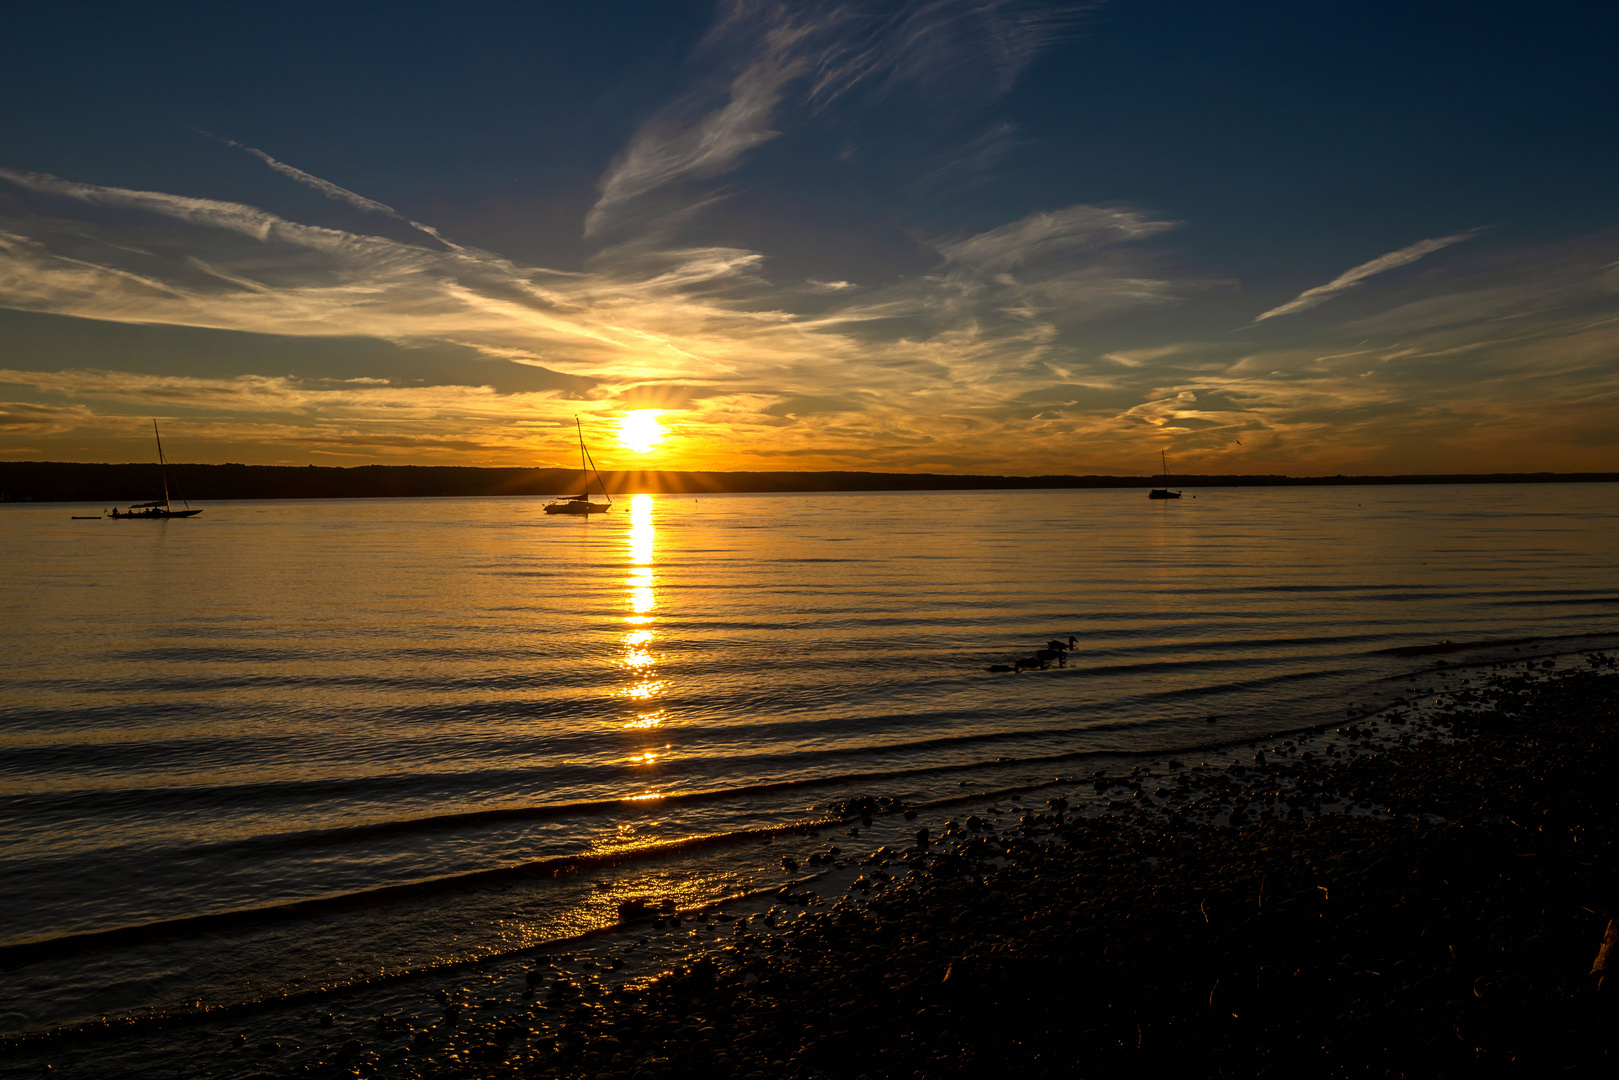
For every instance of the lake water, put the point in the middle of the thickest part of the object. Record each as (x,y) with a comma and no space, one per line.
(294,744)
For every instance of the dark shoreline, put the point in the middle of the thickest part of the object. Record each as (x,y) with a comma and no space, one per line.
(47,481)
(1446,929)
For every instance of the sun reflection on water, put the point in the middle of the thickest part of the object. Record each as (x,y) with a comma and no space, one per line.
(639,657)
(644,690)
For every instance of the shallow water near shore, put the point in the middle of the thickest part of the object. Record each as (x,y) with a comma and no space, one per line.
(393,713)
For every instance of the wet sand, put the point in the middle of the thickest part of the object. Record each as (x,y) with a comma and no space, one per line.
(1420,893)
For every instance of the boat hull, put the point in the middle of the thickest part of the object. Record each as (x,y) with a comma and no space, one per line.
(577,508)
(1161,493)
(156,515)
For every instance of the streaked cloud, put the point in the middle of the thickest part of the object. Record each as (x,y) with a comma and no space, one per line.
(670,147)
(1005,349)
(34,419)
(976,160)
(670,314)
(1309,298)
(948,49)
(1061,234)
(341,194)
(760,56)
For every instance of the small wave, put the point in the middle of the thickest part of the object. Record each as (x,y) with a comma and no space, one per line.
(1564,602)
(1493,643)
(190,926)
(246,794)
(21,953)
(214,654)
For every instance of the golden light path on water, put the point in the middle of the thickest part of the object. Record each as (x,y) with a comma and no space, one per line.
(638,659)
(639,662)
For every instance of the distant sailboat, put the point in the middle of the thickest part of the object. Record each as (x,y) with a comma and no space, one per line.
(1163,492)
(581,504)
(157,508)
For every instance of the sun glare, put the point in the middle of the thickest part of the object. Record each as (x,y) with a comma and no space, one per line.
(640,430)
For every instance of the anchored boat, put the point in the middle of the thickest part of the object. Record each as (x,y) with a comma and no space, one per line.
(1163,492)
(581,504)
(158,508)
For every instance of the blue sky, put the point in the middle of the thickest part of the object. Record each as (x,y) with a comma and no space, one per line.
(933,236)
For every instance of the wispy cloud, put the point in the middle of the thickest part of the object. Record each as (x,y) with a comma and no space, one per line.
(325,187)
(1350,278)
(1014,344)
(262,394)
(948,49)
(338,193)
(976,160)
(669,147)
(760,55)
(29,418)
(698,326)
(1059,234)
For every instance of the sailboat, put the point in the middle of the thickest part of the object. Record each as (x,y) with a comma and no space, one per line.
(1163,492)
(581,504)
(157,508)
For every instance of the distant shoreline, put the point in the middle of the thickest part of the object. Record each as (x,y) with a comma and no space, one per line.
(48,481)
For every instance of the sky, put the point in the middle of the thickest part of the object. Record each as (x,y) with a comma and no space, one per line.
(959,236)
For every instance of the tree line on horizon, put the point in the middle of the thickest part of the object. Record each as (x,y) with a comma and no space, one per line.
(46,481)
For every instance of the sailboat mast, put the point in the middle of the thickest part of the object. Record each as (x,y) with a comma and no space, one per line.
(1165,461)
(599,481)
(582,469)
(162,466)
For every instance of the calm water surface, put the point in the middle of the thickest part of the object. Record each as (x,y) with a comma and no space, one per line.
(283,702)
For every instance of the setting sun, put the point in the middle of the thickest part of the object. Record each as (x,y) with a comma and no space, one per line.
(640,430)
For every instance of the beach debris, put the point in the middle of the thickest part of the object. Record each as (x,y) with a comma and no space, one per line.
(864,806)
(632,910)
(638,908)
(1605,955)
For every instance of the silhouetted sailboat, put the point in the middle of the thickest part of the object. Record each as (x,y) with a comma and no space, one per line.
(1163,492)
(581,504)
(157,508)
